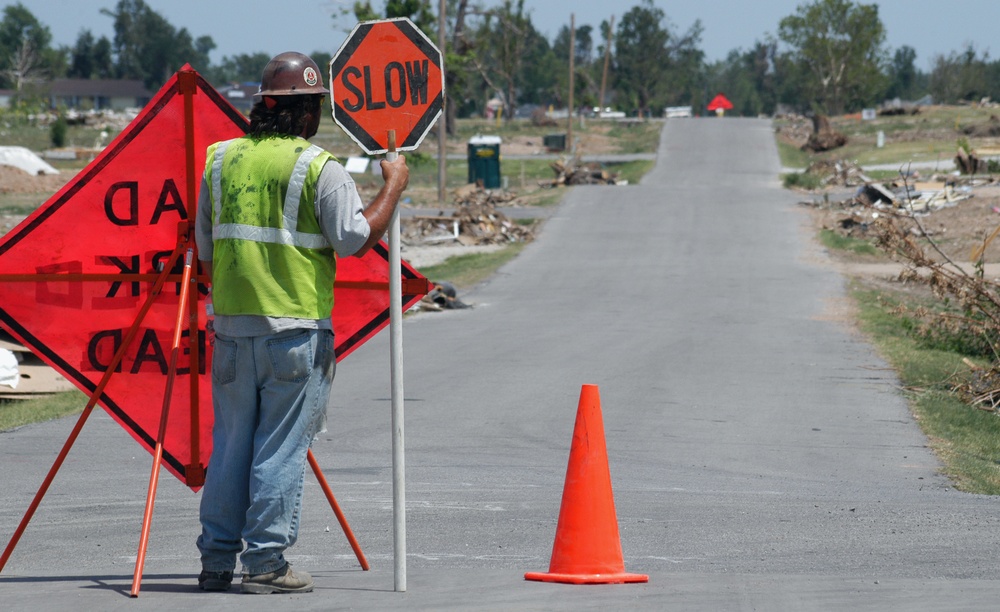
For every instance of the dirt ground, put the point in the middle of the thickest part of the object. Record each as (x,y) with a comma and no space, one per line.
(14,180)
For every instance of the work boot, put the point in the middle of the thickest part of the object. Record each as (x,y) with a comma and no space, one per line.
(283,580)
(214,581)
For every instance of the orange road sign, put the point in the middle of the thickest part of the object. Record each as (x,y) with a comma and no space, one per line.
(76,273)
(387,76)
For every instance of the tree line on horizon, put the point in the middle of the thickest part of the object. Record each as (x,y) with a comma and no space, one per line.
(828,57)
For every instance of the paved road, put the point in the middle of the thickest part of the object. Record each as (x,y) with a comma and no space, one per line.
(761,453)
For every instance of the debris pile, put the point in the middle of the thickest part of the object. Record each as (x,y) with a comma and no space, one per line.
(896,106)
(574,172)
(981,388)
(838,172)
(794,129)
(471,224)
(910,196)
(987,129)
(540,118)
(443,296)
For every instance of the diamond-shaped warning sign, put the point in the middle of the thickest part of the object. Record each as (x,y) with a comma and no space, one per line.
(76,273)
(387,76)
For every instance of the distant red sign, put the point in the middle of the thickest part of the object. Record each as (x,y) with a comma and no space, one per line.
(387,76)
(120,217)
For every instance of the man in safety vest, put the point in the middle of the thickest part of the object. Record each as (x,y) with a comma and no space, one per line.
(272,212)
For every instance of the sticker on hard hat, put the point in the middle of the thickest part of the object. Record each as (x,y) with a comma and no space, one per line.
(310,76)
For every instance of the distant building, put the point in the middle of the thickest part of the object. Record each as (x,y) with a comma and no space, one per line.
(7,97)
(97,94)
(240,95)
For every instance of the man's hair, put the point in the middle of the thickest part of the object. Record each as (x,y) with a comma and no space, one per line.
(287,117)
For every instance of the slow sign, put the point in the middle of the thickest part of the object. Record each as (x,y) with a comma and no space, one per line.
(386,76)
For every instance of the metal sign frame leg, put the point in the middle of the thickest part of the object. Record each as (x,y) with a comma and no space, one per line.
(154,477)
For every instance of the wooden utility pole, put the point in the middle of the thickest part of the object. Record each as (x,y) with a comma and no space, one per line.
(607,54)
(443,119)
(572,57)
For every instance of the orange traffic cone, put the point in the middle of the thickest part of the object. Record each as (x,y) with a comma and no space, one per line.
(587,548)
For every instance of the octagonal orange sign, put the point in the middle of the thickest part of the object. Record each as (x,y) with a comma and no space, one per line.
(387,76)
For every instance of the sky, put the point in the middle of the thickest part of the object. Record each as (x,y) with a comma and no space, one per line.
(931,27)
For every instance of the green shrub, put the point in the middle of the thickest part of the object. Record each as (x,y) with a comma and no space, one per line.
(57,133)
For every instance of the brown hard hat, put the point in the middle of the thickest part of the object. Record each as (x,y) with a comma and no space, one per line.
(291,74)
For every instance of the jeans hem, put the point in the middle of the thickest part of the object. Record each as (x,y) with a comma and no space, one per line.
(267,568)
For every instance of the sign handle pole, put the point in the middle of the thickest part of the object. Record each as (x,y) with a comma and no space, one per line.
(396,377)
(98,391)
(154,476)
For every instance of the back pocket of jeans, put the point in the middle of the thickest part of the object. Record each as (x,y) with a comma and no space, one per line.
(224,361)
(291,357)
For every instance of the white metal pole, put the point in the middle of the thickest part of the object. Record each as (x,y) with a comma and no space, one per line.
(396,375)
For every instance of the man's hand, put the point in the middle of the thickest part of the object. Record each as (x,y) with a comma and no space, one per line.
(379,213)
(396,172)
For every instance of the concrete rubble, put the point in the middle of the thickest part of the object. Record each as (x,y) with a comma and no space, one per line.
(474,221)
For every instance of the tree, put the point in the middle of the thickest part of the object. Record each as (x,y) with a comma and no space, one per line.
(418,11)
(25,54)
(747,79)
(241,68)
(149,48)
(586,74)
(81,64)
(641,55)
(685,70)
(104,66)
(23,66)
(502,40)
(543,77)
(90,58)
(961,76)
(839,46)
(903,73)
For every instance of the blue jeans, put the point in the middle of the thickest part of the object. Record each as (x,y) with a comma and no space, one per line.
(270,395)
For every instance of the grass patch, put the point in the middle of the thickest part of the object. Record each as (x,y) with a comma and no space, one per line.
(966,440)
(16,413)
(802,180)
(631,171)
(834,241)
(466,271)
(792,156)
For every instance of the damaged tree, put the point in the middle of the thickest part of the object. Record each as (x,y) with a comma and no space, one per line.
(969,310)
(823,137)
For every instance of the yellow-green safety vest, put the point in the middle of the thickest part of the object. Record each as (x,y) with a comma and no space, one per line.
(270,256)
